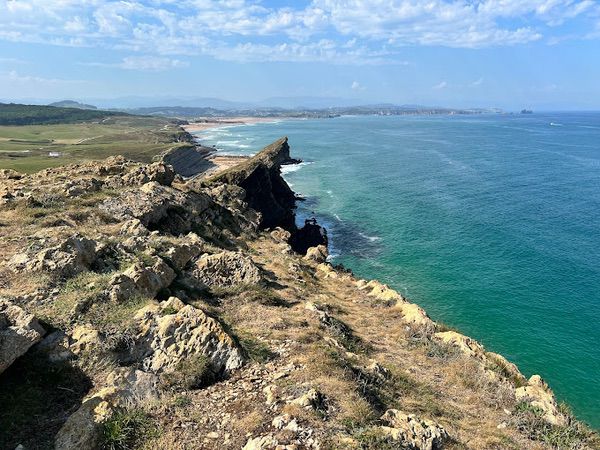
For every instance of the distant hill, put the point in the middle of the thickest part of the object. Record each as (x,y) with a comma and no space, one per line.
(16,114)
(72,104)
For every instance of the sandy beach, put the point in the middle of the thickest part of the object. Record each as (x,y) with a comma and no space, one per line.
(206,123)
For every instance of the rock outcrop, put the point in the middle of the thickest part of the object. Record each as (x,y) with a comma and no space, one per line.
(266,191)
(174,332)
(412,432)
(539,395)
(18,332)
(226,269)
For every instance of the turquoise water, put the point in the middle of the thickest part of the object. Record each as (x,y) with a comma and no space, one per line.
(489,222)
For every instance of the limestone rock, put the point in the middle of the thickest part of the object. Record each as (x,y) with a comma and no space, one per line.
(226,269)
(412,432)
(318,254)
(261,443)
(465,344)
(539,395)
(141,280)
(73,256)
(84,338)
(414,314)
(134,227)
(180,255)
(158,172)
(166,340)
(163,207)
(126,387)
(312,399)
(280,235)
(18,332)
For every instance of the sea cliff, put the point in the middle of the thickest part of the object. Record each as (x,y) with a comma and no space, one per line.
(139,309)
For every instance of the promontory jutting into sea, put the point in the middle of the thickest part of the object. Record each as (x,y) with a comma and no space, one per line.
(299,225)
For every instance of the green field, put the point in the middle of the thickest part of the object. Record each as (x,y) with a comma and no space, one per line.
(29,148)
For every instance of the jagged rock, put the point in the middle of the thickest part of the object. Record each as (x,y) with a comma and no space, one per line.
(326,271)
(266,191)
(507,368)
(75,255)
(280,235)
(18,332)
(261,443)
(226,269)
(312,399)
(80,186)
(10,174)
(414,314)
(412,432)
(83,429)
(179,255)
(310,235)
(166,340)
(158,172)
(465,344)
(84,338)
(163,208)
(141,280)
(380,291)
(539,395)
(318,254)
(134,227)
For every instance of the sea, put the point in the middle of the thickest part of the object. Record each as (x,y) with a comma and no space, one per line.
(489,222)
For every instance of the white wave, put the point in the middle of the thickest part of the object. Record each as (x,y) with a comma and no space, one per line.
(554,124)
(370,238)
(337,217)
(289,168)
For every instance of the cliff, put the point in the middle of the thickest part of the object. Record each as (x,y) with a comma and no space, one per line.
(140,310)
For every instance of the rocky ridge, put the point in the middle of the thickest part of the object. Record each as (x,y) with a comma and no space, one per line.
(184,309)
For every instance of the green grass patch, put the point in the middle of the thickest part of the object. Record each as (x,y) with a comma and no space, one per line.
(127,429)
(192,373)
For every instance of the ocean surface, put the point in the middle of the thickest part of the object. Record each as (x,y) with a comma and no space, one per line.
(490,222)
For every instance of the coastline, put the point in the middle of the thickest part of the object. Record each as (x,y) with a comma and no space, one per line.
(207,123)
(232,163)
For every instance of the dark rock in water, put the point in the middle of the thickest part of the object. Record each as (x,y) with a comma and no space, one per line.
(310,235)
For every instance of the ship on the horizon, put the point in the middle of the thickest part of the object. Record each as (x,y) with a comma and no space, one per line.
(526,111)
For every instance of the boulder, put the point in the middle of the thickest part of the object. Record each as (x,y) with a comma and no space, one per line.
(125,388)
(412,432)
(179,255)
(158,172)
(167,339)
(414,314)
(539,395)
(18,332)
(140,279)
(317,254)
(134,227)
(226,269)
(73,256)
(465,344)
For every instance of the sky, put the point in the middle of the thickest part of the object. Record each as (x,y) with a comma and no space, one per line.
(510,54)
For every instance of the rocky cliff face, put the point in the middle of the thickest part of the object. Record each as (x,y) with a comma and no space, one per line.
(141,310)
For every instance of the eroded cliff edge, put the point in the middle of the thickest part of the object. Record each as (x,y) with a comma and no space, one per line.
(142,310)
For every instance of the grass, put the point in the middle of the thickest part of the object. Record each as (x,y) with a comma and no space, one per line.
(529,420)
(191,373)
(127,429)
(26,148)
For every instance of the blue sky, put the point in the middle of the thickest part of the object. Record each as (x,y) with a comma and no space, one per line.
(542,54)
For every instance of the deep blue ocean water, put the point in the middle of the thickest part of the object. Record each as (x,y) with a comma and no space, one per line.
(490,222)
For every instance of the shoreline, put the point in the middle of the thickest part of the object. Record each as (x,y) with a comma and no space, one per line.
(232,162)
(208,123)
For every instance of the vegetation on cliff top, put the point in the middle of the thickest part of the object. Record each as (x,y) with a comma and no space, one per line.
(186,325)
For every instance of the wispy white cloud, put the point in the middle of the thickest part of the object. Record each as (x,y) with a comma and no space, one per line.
(144,63)
(440,85)
(15,78)
(342,31)
(477,82)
